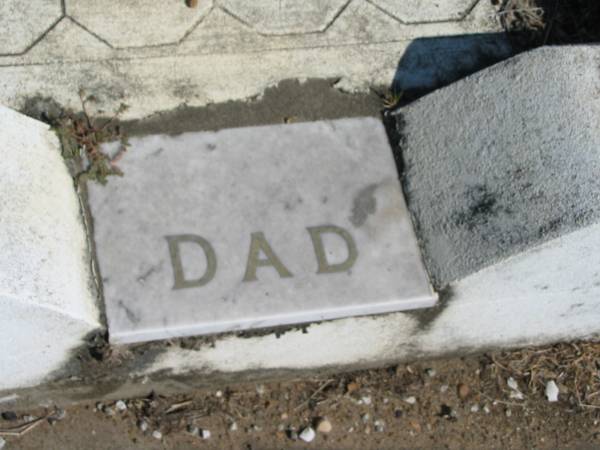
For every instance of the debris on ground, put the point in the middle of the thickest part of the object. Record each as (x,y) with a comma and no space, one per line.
(463,391)
(411,400)
(307,434)
(323,425)
(515,392)
(205,434)
(121,406)
(551,391)
(371,408)
(156,434)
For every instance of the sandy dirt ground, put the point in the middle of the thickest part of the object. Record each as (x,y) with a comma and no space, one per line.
(486,401)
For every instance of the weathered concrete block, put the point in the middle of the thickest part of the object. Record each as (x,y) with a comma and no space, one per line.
(47,301)
(501,177)
(509,162)
(255,227)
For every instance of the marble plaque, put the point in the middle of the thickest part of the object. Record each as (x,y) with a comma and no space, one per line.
(255,227)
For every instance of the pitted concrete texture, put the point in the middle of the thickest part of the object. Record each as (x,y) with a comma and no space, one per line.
(287,16)
(21,26)
(417,11)
(511,161)
(47,298)
(144,23)
(157,56)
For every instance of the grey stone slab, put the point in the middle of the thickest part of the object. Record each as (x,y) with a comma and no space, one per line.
(504,160)
(255,227)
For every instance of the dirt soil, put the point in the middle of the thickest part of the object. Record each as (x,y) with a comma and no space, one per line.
(494,400)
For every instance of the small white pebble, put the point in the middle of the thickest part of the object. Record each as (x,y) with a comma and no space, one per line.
(518,395)
(234,426)
(260,389)
(551,391)
(219,394)
(324,425)
(121,405)
(443,388)
(386,401)
(379,425)
(157,434)
(512,383)
(351,430)
(486,409)
(205,434)
(143,425)
(366,400)
(431,373)
(508,413)
(2,443)
(307,434)
(475,408)
(411,400)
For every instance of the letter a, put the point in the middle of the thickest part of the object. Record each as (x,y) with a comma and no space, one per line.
(211,260)
(258,243)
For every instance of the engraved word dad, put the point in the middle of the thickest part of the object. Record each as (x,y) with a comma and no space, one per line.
(258,246)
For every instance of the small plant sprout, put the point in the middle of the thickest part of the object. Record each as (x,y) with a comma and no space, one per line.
(81,138)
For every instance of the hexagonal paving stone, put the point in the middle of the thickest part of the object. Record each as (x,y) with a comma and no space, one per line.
(137,23)
(22,22)
(420,11)
(285,16)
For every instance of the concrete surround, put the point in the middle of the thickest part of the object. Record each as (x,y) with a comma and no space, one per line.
(156,56)
(502,187)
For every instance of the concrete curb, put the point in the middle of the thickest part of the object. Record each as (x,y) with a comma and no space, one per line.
(510,244)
